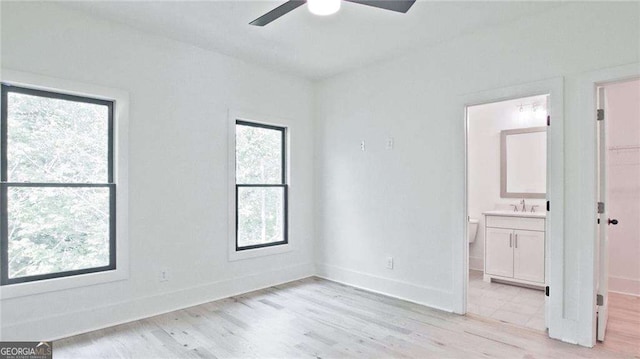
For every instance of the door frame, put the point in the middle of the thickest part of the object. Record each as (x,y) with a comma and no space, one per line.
(588,84)
(555,194)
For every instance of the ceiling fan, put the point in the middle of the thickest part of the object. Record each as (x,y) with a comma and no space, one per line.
(327,7)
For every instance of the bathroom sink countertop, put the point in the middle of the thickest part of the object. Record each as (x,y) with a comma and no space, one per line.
(511,213)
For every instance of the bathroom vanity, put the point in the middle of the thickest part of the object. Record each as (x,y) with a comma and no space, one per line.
(515,247)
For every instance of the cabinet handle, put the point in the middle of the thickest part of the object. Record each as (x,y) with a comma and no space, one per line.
(516,240)
(510,240)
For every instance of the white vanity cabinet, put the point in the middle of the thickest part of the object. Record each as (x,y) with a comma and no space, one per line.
(515,248)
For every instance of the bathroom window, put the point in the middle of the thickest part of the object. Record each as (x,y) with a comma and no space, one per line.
(57,187)
(261,185)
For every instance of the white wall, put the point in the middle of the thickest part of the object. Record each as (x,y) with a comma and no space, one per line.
(408,203)
(179,98)
(623,131)
(405,202)
(485,123)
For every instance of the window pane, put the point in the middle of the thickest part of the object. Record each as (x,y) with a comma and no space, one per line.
(260,215)
(53,140)
(258,155)
(57,229)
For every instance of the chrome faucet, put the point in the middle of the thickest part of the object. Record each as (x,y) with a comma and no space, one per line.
(515,207)
(524,208)
(533,208)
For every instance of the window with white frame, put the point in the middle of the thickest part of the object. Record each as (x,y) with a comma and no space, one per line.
(58,194)
(261,185)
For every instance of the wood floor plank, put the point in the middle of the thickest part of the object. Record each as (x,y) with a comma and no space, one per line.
(316,318)
(623,328)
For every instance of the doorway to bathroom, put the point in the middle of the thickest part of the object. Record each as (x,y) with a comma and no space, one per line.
(618,282)
(506,211)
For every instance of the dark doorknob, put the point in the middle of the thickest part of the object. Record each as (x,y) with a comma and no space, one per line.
(612,221)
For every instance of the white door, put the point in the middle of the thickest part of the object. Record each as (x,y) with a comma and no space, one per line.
(602,286)
(499,252)
(547,233)
(528,255)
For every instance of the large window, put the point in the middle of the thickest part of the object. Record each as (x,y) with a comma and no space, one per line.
(57,188)
(261,186)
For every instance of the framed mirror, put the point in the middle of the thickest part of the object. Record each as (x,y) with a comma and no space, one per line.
(523,163)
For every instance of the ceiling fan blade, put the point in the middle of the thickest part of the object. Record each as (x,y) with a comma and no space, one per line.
(394,5)
(277,12)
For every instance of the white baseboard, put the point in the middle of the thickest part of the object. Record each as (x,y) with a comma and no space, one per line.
(68,324)
(624,285)
(423,295)
(476,263)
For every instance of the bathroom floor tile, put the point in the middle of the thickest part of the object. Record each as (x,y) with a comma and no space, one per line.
(509,303)
(519,308)
(528,300)
(490,302)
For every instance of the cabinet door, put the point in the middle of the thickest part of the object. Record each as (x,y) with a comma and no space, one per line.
(528,256)
(499,252)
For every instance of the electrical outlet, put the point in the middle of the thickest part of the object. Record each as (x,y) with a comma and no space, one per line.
(164,275)
(362,146)
(389,143)
(389,262)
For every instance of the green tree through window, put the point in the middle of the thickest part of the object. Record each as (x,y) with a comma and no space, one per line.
(58,194)
(261,189)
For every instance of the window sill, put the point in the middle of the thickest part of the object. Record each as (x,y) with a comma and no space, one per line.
(56,284)
(258,252)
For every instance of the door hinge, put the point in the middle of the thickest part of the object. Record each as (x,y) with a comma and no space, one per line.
(600,207)
(548,206)
(548,120)
(599,299)
(546,291)
(600,115)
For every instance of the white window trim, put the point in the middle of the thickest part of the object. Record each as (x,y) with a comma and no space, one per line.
(231,184)
(121,175)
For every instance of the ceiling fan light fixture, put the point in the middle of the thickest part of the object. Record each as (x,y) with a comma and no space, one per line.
(328,7)
(323,7)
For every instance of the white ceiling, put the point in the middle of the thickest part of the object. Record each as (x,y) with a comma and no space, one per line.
(303,44)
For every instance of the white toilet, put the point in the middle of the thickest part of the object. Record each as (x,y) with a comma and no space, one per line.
(473,229)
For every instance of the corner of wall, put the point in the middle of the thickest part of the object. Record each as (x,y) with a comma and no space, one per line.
(427,296)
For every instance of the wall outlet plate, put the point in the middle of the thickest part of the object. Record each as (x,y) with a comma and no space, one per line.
(363,146)
(389,143)
(164,275)
(389,262)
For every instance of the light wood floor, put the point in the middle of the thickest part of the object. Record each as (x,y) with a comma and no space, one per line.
(623,328)
(320,319)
